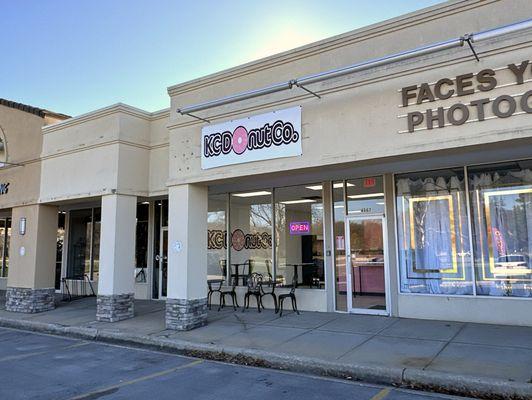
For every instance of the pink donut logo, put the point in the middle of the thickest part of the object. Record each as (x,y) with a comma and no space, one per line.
(240,140)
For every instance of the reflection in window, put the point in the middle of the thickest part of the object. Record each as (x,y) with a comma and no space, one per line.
(251,234)
(339,246)
(433,234)
(501,204)
(365,196)
(59,248)
(217,236)
(299,236)
(84,243)
(141,242)
(5,236)
(96,221)
(160,266)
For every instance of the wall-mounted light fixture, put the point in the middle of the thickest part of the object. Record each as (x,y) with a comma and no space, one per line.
(22,226)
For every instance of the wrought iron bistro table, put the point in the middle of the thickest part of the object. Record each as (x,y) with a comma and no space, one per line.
(296,267)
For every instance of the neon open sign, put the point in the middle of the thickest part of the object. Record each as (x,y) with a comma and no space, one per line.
(299,228)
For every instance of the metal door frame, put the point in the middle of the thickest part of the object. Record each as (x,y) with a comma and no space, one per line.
(349,269)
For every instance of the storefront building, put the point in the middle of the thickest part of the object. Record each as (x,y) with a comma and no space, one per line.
(383,171)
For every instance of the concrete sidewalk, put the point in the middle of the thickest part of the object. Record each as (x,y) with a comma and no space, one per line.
(488,361)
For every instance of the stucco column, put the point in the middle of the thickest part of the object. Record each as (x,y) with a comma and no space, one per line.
(116,283)
(186,303)
(31,279)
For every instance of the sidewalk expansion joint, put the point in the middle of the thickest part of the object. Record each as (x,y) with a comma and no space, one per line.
(444,347)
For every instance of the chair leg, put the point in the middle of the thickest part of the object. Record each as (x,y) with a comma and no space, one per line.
(233,298)
(233,293)
(294,305)
(257,296)
(281,302)
(209,299)
(220,304)
(274,302)
(246,302)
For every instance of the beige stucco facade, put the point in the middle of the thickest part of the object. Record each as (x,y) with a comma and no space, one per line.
(22,146)
(119,155)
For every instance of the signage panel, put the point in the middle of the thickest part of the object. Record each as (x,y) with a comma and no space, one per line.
(299,228)
(462,111)
(262,137)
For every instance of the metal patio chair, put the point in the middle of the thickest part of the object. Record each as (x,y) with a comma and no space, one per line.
(292,296)
(254,282)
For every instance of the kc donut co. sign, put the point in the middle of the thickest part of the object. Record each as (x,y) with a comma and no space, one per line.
(261,137)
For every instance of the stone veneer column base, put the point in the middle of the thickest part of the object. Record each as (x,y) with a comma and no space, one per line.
(115,307)
(184,314)
(27,300)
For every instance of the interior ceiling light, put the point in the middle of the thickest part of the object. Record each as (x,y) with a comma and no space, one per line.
(252,194)
(298,201)
(338,185)
(365,196)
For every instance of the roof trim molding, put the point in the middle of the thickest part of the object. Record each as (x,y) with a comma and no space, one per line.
(118,108)
(40,112)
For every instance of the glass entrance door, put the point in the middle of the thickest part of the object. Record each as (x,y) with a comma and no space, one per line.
(163,263)
(365,265)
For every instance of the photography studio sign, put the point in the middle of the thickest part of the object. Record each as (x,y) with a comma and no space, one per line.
(465,110)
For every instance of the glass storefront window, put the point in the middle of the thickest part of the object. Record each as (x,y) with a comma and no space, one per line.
(6,245)
(79,243)
(141,242)
(3,272)
(160,259)
(84,243)
(433,233)
(59,248)
(339,245)
(96,220)
(299,236)
(217,236)
(5,236)
(251,234)
(501,206)
(365,196)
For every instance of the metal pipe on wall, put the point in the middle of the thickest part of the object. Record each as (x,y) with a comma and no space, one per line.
(365,65)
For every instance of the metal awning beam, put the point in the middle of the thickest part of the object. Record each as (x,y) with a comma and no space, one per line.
(299,85)
(377,62)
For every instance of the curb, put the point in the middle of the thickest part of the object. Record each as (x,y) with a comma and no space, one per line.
(441,382)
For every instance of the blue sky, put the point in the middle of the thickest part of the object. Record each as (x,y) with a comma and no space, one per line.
(76,56)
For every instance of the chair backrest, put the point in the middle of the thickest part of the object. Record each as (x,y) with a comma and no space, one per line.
(255,281)
(251,266)
(269,267)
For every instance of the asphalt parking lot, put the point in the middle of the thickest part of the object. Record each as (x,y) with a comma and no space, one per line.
(37,366)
